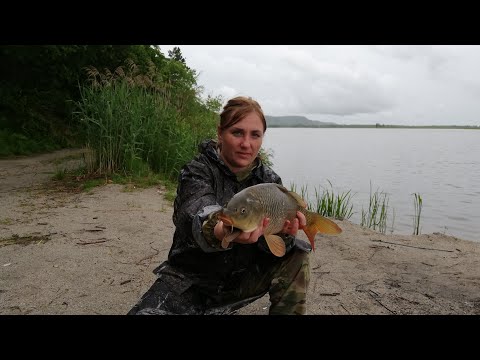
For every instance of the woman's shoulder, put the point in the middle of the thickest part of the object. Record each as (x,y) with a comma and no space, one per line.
(201,165)
(267,174)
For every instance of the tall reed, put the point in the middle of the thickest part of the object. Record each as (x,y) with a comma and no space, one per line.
(339,206)
(376,216)
(138,122)
(417,203)
(326,202)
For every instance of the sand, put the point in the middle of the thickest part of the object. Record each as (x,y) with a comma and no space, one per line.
(70,252)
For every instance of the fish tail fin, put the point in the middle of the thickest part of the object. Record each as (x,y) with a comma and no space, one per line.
(318,223)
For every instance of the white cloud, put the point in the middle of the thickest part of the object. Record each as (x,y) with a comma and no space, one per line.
(395,84)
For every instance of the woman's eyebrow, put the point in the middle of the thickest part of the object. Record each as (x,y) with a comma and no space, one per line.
(233,128)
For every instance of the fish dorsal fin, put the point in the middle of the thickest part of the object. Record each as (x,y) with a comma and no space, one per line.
(276,245)
(298,198)
(293,194)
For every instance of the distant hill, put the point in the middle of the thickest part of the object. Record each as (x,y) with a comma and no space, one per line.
(295,121)
(303,122)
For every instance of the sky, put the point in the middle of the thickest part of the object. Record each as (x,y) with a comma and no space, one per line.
(346,84)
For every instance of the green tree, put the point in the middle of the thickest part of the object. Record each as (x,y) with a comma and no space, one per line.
(39,84)
(176,54)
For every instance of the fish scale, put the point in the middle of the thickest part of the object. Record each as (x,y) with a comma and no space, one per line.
(278,207)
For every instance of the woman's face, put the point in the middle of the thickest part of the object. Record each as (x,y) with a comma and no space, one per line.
(241,142)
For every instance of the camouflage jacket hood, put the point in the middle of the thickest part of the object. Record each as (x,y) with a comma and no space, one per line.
(206,184)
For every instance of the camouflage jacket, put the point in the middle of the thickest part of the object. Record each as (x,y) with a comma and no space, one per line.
(205,185)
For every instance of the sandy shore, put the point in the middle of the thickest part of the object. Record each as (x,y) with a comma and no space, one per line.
(68,252)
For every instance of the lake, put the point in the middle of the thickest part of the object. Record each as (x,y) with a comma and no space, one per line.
(441,165)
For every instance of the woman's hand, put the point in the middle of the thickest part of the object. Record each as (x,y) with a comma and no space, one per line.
(221,230)
(291,227)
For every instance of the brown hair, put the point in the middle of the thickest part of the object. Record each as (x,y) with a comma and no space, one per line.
(237,108)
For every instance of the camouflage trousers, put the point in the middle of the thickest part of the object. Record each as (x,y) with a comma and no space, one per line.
(288,290)
(286,280)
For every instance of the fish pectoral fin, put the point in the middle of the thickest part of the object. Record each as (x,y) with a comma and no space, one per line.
(318,223)
(276,245)
(227,239)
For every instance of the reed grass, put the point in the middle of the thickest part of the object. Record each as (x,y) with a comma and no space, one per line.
(326,202)
(376,216)
(392,227)
(135,123)
(60,174)
(417,203)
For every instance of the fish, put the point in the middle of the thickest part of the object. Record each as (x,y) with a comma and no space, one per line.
(247,208)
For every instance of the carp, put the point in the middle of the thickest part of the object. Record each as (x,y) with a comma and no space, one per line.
(249,207)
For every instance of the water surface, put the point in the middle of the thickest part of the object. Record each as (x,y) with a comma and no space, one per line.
(441,165)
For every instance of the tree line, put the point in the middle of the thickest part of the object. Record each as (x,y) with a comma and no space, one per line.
(41,89)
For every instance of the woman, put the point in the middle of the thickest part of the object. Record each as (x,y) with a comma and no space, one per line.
(201,277)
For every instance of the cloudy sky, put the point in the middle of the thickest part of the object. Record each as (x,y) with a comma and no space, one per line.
(357,84)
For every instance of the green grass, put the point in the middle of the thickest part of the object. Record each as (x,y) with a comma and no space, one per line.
(14,143)
(376,216)
(334,205)
(80,180)
(326,202)
(60,174)
(6,221)
(89,184)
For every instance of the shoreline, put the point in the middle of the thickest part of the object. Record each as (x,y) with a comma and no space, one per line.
(93,253)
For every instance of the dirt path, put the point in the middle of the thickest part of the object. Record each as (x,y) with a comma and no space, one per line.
(67,252)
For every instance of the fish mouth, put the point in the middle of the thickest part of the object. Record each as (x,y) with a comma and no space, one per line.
(227,220)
